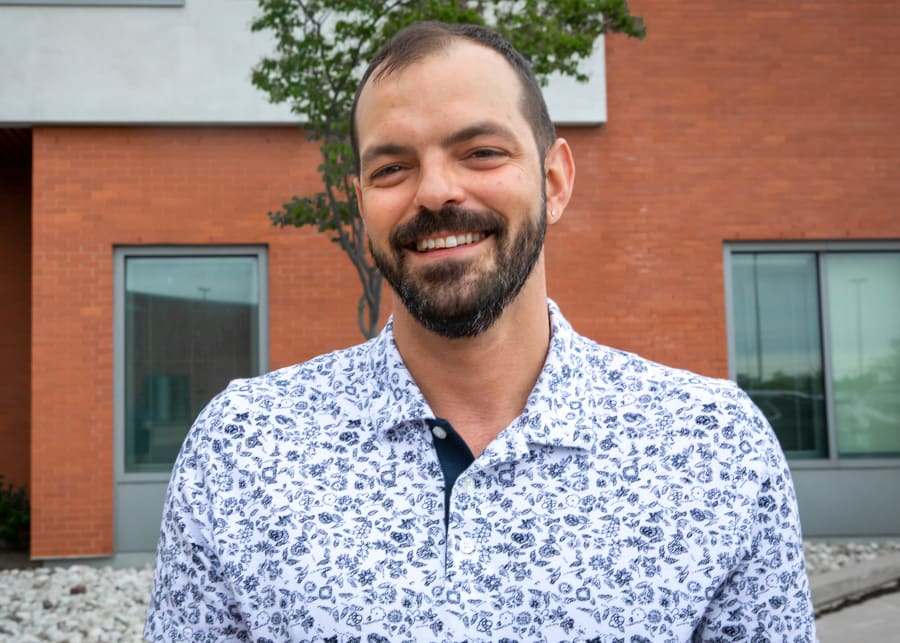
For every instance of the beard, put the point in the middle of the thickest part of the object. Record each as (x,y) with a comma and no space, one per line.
(457,298)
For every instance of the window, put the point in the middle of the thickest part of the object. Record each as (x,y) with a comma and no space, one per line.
(814,335)
(191,321)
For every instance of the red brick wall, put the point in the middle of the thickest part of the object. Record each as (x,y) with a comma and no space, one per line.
(15,323)
(97,188)
(733,120)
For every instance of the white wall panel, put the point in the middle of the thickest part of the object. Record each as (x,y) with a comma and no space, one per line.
(169,65)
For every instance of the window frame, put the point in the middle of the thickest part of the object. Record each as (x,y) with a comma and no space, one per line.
(120,254)
(821,250)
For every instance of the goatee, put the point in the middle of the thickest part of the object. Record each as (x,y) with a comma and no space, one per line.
(454,298)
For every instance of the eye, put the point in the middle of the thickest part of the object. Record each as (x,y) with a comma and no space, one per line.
(386,171)
(388,175)
(485,158)
(486,153)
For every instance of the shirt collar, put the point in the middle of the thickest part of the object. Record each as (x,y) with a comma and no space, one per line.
(395,397)
(555,413)
(558,409)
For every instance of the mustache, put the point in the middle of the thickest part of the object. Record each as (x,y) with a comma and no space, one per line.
(450,218)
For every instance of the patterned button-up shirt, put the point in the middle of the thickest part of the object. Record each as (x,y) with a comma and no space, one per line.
(628,502)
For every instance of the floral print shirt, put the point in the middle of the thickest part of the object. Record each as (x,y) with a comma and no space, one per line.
(628,502)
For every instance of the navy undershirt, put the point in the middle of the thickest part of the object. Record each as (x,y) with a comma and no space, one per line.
(453,454)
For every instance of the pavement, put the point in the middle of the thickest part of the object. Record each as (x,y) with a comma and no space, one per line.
(875,619)
(859,603)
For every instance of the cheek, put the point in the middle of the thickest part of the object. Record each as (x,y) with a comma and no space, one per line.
(377,233)
(511,186)
(513,197)
(382,214)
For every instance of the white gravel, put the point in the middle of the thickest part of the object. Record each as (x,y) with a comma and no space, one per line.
(81,604)
(74,604)
(828,557)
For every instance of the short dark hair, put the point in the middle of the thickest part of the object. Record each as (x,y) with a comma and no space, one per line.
(419,40)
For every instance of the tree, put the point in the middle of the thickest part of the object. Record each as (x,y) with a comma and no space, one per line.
(322,47)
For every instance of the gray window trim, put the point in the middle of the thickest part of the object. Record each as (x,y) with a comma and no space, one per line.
(827,370)
(833,461)
(120,253)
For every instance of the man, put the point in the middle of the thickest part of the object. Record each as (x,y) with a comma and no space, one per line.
(479,471)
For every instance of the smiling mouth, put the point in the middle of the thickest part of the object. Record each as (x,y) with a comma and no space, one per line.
(449,241)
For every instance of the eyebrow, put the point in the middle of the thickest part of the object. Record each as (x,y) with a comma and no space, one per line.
(385,149)
(485,128)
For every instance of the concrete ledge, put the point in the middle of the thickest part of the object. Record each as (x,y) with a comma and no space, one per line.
(853,582)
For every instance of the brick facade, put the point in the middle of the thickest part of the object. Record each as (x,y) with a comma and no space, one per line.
(96,188)
(732,121)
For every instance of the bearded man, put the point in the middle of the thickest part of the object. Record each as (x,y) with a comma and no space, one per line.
(479,471)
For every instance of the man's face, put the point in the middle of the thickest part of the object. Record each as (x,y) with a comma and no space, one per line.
(451,187)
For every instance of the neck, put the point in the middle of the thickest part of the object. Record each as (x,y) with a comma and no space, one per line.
(480,384)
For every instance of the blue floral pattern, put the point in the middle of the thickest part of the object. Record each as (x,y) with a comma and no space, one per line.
(628,502)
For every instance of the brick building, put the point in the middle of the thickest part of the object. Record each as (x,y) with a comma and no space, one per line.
(735,213)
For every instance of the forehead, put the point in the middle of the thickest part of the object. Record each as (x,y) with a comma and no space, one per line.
(452,50)
(464,80)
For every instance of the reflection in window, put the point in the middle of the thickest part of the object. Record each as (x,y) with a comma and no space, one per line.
(777,340)
(864,310)
(782,302)
(191,326)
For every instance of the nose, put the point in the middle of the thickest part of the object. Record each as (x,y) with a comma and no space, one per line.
(439,184)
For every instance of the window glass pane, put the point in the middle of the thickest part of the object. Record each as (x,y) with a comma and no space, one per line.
(778,353)
(864,312)
(191,326)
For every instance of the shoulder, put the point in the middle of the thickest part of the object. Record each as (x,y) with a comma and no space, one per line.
(285,402)
(691,431)
(317,380)
(347,363)
(659,402)
(612,369)
(615,373)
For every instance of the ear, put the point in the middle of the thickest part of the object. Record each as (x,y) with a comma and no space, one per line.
(559,179)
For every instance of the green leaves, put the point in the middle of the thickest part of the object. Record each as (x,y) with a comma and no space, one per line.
(321,48)
(315,210)
(15,515)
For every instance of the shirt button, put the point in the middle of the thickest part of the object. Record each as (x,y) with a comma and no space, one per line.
(467,485)
(438,432)
(466,545)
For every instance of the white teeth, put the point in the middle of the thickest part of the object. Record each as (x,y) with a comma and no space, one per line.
(450,241)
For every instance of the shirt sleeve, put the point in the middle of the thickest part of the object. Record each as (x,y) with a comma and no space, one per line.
(191,600)
(766,597)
